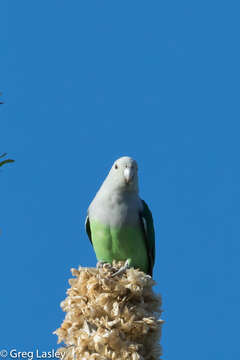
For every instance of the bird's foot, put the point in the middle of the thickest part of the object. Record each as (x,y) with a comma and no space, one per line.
(100,264)
(122,269)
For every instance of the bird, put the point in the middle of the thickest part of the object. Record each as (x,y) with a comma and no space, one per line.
(119,224)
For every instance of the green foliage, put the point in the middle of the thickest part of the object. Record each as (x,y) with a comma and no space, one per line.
(5,161)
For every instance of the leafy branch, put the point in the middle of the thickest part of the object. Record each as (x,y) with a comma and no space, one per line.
(5,161)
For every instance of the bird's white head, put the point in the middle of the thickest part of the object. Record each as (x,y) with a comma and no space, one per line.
(124,174)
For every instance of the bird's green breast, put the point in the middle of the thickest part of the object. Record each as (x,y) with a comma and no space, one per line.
(119,243)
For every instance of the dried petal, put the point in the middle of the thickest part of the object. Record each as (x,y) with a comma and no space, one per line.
(111,318)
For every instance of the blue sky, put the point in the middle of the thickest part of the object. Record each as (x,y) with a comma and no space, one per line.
(85,83)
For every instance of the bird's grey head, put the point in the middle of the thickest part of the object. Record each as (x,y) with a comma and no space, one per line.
(124,174)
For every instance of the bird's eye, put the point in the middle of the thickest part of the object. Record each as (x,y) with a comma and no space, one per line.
(116,167)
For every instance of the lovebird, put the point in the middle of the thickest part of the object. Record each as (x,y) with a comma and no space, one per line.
(119,223)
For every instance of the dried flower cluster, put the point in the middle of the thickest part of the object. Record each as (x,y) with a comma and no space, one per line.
(110,318)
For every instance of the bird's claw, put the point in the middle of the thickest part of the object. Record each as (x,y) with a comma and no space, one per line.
(122,269)
(100,264)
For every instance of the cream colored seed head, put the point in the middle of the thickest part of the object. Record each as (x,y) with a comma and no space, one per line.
(111,318)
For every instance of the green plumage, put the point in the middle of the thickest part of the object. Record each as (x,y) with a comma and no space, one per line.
(137,244)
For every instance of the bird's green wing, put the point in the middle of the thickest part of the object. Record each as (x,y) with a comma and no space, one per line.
(88,229)
(148,228)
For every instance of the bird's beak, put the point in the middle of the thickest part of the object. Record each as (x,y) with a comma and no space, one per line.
(128,175)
